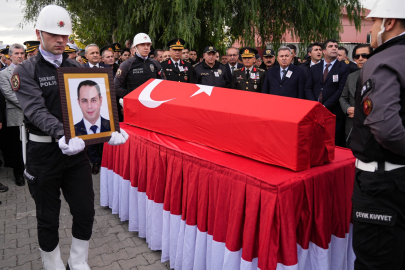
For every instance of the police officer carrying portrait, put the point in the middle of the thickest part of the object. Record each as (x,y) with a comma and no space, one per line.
(174,68)
(52,163)
(378,143)
(138,69)
(249,78)
(209,71)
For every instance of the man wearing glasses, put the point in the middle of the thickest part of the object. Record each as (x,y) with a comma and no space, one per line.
(233,56)
(360,55)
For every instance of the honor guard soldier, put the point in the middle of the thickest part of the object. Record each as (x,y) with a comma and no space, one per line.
(209,71)
(32,48)
(138,69)
(248,78)
(52,163)
(378,143)
(174,68)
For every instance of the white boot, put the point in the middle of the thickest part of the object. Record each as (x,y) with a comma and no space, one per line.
(79,253)
(51,260)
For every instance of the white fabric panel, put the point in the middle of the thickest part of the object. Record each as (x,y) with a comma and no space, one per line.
(149,223)
(175,224)
(166,236)
(110,190)
(133,208)
(208,260)
(155,242)
(246,265)
(115,186)
(124,199)
(338,258)
(232,259)
(200,250)
(180,246)
(217,257)
(190,236)
(351,257)
(104,186)
(142,214)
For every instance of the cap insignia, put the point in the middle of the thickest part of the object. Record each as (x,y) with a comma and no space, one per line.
(61,24)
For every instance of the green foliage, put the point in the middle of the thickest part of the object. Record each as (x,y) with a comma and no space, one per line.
(203,22)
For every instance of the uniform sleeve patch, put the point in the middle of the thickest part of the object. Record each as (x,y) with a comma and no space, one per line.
(15,81)
(119,72)
(367,87)
(367,105)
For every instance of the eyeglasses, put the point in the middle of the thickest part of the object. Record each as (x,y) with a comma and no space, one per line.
(232,55)
(363,55)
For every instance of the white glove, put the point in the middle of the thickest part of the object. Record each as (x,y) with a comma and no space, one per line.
(118,138)
(75,146)
(121,101)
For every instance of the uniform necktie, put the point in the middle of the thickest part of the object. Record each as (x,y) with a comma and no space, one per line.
(94,128)
(95,66)
(325,74)
(284,73)
(57,62)
(177,66)
(247,74)
(232,69)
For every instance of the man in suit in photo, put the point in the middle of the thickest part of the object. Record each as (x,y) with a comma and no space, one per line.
(233,56)
(286,79)
(325,83)
(92,54)
(360,53)
(90,102)
(14,113)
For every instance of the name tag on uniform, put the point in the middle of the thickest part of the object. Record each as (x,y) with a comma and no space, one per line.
(289,73)
(181,68)
(253,76)
(335,78)
(216,74)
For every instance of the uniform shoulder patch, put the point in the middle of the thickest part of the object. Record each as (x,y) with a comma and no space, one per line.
(196,64)
(15,81)
(367,87)
(119,72)
(347,62)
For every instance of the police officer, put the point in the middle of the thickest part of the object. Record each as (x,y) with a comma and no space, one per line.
(378,143)
(210,71)
(269,59)
(248,78)
(174,68)
(52,163)
(31,47)
(138,69)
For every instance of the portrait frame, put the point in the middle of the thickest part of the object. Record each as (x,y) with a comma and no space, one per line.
(66,75)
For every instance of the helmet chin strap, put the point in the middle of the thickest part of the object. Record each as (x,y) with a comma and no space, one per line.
(379,35)
(42,41)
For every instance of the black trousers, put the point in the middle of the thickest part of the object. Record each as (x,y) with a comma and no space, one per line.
(95,152)
(17,158)
(379,220)
(48,172)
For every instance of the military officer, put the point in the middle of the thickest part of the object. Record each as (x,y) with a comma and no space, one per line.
(378,143)
(210,71)
(269,59)
(5,58)
(32,48)
(117,52)
(70,51)
(174,68)
(52,163)
(248,78)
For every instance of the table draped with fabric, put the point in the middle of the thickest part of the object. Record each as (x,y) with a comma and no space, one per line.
(207,209)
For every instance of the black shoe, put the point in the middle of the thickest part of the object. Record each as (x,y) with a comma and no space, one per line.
(3,188)
(19,181)
(96,168)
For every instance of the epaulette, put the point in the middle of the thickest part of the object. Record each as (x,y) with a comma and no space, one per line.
(345,61)
(196,64)
(165,60)
(259,69)
(236,69)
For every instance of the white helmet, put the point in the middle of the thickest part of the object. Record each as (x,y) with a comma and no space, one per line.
(141,38)
(55,20)
(394,9)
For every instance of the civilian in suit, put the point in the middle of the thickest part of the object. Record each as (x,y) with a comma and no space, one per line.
(295,60)
(233,56)
(286,79)
(325,83)
(360,53)
(14,113)
(314,52)
(92,54)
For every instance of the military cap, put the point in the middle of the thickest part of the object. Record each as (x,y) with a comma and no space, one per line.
(84,59)
(31,45)
(116,47)
(248,52)
(268,52)
(4,46)
(107,47)
(176,44)
(69,49)
(257,56)
(5,51)
(210,49)
(73,46)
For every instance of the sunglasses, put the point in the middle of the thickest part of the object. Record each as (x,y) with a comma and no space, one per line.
(363,55)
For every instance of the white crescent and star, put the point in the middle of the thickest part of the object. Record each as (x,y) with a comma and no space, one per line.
(147,101)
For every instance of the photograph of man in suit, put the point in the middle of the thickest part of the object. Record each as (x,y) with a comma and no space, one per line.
(90,102)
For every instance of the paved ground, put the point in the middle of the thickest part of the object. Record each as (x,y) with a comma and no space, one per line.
(111,246)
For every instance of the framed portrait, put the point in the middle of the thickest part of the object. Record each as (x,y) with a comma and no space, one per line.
(89,106)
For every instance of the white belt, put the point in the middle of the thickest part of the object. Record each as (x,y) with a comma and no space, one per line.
(373,166)
(41,139)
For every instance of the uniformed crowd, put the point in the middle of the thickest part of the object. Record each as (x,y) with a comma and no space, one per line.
(367,96)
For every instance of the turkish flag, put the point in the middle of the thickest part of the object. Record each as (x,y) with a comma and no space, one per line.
(288,132)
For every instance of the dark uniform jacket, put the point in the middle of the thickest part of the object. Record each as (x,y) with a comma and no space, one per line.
(134,72)
(182,74)
(80,127)
(215,76)
(380,135)
(37,90)
(228,70)
(253,84)
(292,86)
(352,65)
